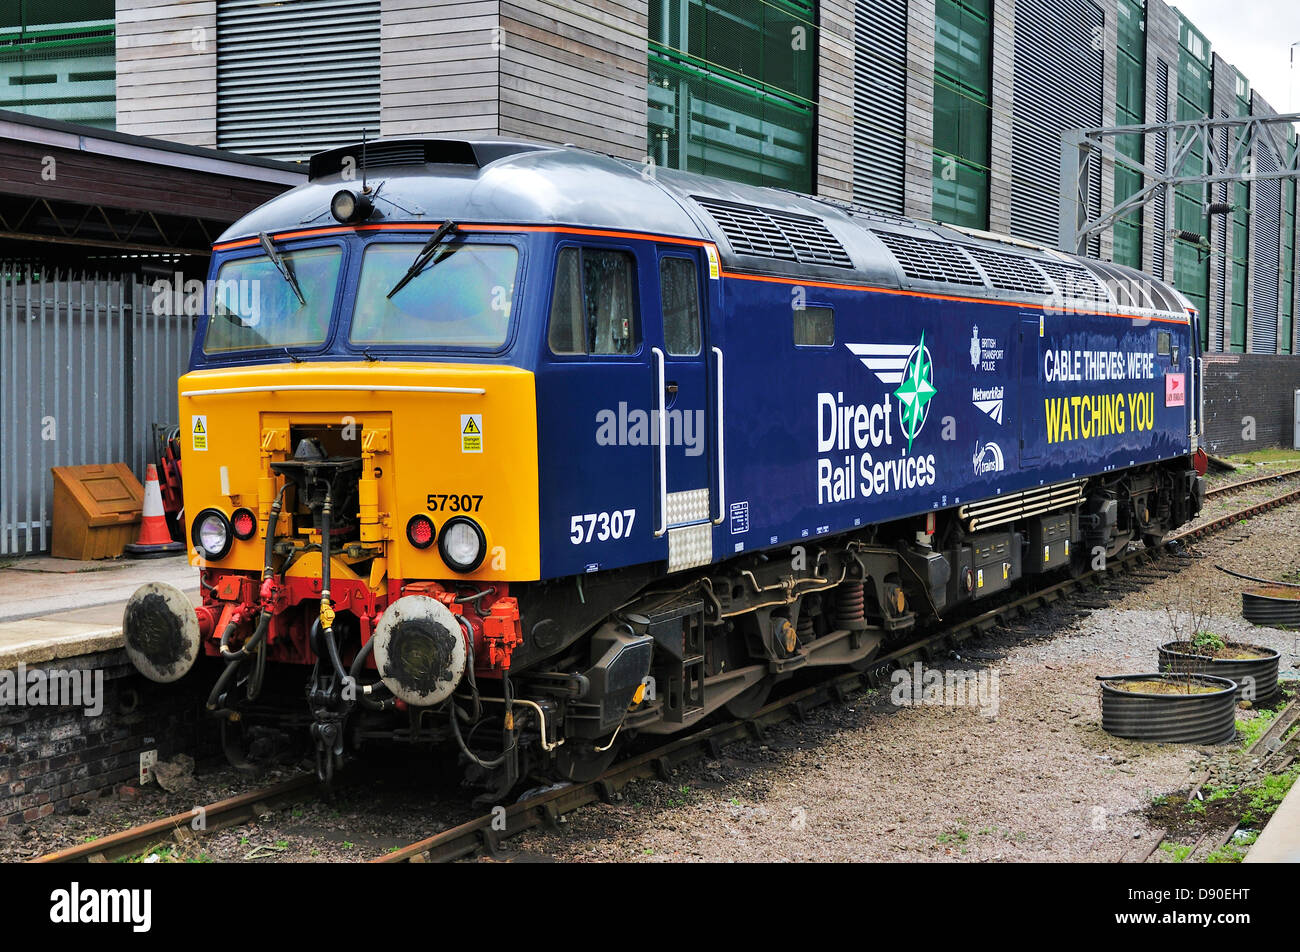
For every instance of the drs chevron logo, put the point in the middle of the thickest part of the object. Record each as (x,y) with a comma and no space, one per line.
(911,368)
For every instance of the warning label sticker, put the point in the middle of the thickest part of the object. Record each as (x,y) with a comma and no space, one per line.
(715,269)
(199,432)
(471,433)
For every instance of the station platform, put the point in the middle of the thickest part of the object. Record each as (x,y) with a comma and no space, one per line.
(60,608)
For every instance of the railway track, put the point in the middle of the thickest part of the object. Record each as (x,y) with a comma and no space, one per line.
(1253,481)
(198,822)
(487,832)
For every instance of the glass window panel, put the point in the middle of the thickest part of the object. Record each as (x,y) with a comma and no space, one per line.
(254,308)
(814,327)
(462,298)
(608,291)
(567,334)
(679,289)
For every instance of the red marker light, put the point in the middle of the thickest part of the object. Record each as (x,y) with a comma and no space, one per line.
(243,523)
(420,531)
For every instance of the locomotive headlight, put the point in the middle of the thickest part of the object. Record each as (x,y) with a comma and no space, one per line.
(348,206)
(211,533)
(462,544)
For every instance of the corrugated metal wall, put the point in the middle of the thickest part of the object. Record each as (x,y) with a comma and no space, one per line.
(1158,214)
(1221,227)
(1267,216)
(1058,81)
(86,368)
(297,76)
(880,103)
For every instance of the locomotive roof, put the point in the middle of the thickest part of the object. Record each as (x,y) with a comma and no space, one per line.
(757,230)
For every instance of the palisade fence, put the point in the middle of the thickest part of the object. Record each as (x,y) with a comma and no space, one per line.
(86,368)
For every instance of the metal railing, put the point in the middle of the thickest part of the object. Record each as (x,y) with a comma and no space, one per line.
(87,367)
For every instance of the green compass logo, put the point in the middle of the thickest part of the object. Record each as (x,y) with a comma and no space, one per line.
(916,390)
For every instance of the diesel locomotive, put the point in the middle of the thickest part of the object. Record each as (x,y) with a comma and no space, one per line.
(519,451)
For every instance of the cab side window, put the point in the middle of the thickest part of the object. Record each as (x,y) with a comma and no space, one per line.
(593,307)
(679,289)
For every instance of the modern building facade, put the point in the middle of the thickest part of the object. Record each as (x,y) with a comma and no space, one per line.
(943,109)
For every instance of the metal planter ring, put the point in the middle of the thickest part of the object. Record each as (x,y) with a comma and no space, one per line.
(1256,677)
(1208,718)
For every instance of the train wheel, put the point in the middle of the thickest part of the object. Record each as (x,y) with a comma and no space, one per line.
(748,703)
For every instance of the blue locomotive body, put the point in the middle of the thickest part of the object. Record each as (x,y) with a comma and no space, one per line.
(690,436)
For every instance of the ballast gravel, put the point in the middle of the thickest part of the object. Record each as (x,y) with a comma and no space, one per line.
(1039,780)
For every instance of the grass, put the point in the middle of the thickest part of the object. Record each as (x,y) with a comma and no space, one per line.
(1253,728)
(1233,851)
(1178,851)
(1275,454)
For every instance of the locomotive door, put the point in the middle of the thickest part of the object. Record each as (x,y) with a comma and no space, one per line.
(1030,390)
(675,332)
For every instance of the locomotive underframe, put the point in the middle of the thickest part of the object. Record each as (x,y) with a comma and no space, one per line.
(633,651)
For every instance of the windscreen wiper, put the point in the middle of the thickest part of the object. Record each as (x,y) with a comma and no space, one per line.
(428,251)
(278,260)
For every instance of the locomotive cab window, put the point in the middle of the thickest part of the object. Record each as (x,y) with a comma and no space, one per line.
(255,307)
(814,327)
(593,307)
(679,290)
(1162,343)
(462,297)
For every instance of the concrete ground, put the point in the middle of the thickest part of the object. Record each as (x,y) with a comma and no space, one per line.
(57,608)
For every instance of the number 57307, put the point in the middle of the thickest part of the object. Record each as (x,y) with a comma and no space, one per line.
(601,526)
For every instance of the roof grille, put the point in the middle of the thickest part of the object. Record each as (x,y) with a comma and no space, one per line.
(1010,272)
(769,233)
(930,260)
(1075,282)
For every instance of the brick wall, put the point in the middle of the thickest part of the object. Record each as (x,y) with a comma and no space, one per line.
(1244,387)
(52,758)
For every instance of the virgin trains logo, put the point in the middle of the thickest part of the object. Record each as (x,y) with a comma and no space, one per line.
(912,369)
(988,459)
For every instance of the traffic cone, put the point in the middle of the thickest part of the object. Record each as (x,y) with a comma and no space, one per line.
(155,541)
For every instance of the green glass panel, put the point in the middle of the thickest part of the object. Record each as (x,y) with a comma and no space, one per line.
(962,47)
(960,193)
(961,125)
(707,123)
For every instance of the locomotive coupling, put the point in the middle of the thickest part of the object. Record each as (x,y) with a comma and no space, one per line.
(161,631)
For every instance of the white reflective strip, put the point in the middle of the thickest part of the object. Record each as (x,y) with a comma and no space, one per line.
(225,481)
(474,391)
(152,499)
(722,454)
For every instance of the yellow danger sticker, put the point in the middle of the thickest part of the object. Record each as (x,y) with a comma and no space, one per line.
(471,433)
(199,432)
(715,269)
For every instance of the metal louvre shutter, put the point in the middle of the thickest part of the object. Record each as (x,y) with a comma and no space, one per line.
(1219,324)
(880,103)
(296,77)
(1268,233)
(1160,239)
(1058,82)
